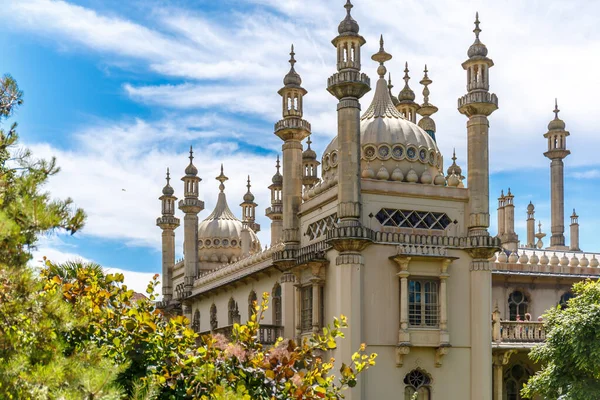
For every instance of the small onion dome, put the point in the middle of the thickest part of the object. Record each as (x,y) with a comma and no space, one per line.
(383,174)
(477,49)
(556,124)
(412,176)
(584,262)
(309,154)
(439,180)
(191,169)
(348,25)
(564,260)
(368,172)
(292,78)
(168,189)
(248,197)
(530,207)
(455,167)
(277,178)
(397,175)
(426,177)
(406,94)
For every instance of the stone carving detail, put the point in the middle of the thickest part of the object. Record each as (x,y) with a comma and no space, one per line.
(413,219)
(320,227)
(345,259)
(422,250)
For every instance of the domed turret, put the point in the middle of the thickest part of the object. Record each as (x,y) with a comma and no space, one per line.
(292,78)
(477,49)
(168,189)
(348,24)
(191,169)
(455,168)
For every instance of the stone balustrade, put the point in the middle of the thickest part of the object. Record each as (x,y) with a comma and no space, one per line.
(547,261)
(518,332)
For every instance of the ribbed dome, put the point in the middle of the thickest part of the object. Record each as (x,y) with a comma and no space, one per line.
(249,197)
(277,179)
(292,78)
(388,137)
(191,170)
(168,190)
(348,25)
(477,49)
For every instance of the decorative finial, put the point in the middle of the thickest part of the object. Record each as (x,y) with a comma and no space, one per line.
(292,59)
(248,185)
(509,193)
(454,154)
(191,154)
(168,176)
(348,6)
(477,30)
(277,164)
(556,110)
(381,57)
(540,227)
(502,193)
(390,86)
(425,82)
(222,178)
(308,142)
(406,77)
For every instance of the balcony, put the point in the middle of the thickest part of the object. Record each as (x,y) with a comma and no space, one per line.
(267,334)
(517,334)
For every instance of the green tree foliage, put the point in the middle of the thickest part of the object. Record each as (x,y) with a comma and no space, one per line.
(25,210)
(570,356)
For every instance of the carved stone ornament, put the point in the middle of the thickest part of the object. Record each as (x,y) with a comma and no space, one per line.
(440,352)
(401,351)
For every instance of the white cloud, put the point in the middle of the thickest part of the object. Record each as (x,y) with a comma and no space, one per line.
(591,174)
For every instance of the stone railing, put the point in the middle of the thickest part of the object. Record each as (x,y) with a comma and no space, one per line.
(518,332)
(292,123)
(546,261)
(267,334)
(431,240)
(315,251)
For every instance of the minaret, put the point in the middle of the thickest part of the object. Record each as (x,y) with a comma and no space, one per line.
(309,167)
(501,216)
(191,206)
(249,209)
(557,151)
(574,232)
(406,99)
(168,223)
(348,85)
(510,240)
(275,212)
(390,87)
(427,110)
(477,105)
(292,129)
(531,225)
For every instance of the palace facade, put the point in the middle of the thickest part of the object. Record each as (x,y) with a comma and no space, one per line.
(386,236)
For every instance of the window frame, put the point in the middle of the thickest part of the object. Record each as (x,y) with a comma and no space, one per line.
(522,305)
(306,308)
(423,314)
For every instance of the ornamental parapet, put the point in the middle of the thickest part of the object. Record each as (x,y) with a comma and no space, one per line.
(433,240)
(482,97)
(526,261)
(274,210)
(292,123)
(348,83)
(190,205)
(167,222)
(505,332)
(313,252)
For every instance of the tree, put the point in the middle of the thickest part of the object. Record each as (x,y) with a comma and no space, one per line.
(25,210)
(570,356)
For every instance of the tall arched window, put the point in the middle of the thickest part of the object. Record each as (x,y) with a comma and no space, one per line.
(231,306)
(196,322)
(417,382)
(213,317)
(514,379)
(251,301)
(564,299)
(518,305)
(277,318)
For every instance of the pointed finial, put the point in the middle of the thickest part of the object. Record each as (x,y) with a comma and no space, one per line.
(406,77)
(502,193)
(222,178)
(248,185)
(390,86)
(477,30)
(308,142)
(381,57)
(348,6)
(292,59)
(168,176)
(556,110)
(540,227)
(454,154)
(277,164)
(191,154)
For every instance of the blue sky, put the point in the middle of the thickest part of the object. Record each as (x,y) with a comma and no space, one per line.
(119,90)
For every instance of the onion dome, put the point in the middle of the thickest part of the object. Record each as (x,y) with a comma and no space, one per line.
(191,169)
(219,235)
(455,168)
(387,137)
(477,49)
(249,197)
(406,94)
(168,189)
(309,154)
(277,178)
(556,124)
(390,87)
(530,207)
(348,25)
(292,78)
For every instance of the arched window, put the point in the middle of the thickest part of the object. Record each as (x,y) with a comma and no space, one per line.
(231,306)
(514,379)
(196,322)
(518,305)
(251,302)
(213,317)
(417,382)
(276,296)
(564,299)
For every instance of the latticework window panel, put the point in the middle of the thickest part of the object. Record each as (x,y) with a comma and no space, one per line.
(319,228)
(413,219)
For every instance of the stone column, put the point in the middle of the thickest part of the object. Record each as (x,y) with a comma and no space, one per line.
(168,263)
(444,275)
(530,226)
(501,216)
(574,232)
(481,329)
(298,304)
(557,203)
(245,239)
(478,176)
(288,309)
(316,304)
(500,359)
(403,274)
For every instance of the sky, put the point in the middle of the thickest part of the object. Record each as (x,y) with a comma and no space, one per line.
(118,91)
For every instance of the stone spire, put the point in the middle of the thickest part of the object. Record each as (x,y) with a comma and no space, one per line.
(249,209)
(531,225)
(309,166)
(501,215)
(168,223)
(275,212)
(557,151)
(510,240)
(292,129)
(574,232)
(406,99)
(427,109)
(191,206)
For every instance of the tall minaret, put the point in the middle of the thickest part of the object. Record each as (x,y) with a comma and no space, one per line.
(477,105)
(249,209)
(191,206)
(292,129)
(531,225)
(275,212)
(348,85)
(501,217)
(557,151)
(510,240)
(427,110)
(574,232)
(168,223)
(406,99)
